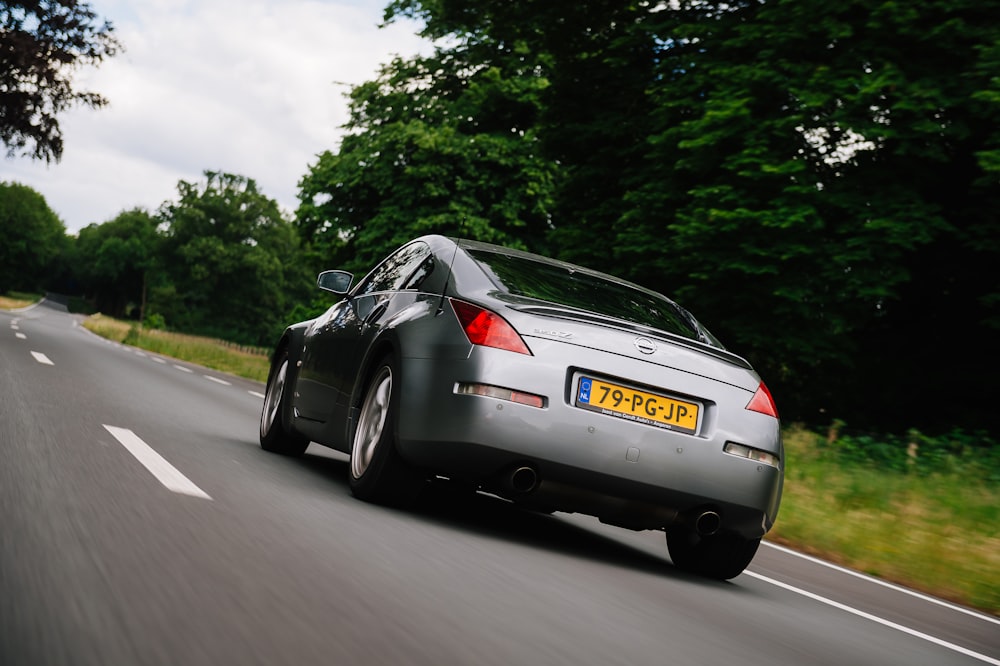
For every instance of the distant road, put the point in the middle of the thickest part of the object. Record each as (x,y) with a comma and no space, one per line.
(141,524)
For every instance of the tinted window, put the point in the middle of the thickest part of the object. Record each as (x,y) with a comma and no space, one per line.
(577,289)
(405,269)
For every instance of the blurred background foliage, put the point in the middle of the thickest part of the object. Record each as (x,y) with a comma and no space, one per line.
(818,182)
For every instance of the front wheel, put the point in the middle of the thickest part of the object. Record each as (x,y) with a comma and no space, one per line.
(378,473)
(276,434)
(721,556)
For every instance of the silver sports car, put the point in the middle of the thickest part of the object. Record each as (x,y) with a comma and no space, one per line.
(550,385)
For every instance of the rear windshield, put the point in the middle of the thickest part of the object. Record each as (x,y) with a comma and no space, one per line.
(563,285)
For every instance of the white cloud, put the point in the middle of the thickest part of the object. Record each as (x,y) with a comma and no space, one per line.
(253,87)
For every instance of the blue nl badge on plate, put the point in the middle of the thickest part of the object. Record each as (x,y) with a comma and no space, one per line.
(584,394)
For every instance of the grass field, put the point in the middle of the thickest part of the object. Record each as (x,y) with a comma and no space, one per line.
(937,532)
(934,527)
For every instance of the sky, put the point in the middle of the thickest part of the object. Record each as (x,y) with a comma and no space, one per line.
(251,87)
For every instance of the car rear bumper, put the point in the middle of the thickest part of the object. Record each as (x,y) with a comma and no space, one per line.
(587,461)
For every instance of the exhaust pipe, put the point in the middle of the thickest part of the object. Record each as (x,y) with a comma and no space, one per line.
(707,523)
(523,479)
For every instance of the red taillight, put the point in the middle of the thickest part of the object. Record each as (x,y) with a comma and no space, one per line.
(486,328)
(763,402)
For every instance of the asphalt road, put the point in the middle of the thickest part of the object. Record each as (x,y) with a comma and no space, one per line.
(141,523)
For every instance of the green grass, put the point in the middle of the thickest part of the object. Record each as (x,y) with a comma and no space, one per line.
(15,300)
(933,531)
(209,352)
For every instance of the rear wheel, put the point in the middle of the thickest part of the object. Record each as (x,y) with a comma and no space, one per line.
(721,555)
(276,434)
(378,472)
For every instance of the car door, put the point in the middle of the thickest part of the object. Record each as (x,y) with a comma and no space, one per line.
(336,345)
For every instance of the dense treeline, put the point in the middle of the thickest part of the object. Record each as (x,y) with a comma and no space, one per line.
(221,260)
(819,182)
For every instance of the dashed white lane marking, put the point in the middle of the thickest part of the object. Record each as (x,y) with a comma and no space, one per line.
(14,327)
(42,358)
(257,395)
(20,336)
(158,359)
(876,619)
(217,380)
(140,353)
(164,472)
(183,369)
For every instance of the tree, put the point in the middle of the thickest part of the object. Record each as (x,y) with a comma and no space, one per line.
(589,120)
(32,239)
(438,144)
(821,183)
(115,261)
(231,260)
(41,43)
(818,181)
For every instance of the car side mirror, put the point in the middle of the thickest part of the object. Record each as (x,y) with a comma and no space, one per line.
(339,282)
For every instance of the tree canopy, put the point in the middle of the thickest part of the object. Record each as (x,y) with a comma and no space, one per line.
(115,261)
(818,182)
(435,144)
(32,239)
(41,44)
(231,261)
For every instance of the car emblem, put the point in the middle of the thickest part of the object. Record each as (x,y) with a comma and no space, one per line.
(645,345)
(558,334)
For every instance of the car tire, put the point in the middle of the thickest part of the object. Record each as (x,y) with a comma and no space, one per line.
(721,556)
(276,434)
(377,472)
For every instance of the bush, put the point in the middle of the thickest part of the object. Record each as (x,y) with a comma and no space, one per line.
(156,321)
(970,453)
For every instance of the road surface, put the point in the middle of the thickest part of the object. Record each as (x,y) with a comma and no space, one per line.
(141,523)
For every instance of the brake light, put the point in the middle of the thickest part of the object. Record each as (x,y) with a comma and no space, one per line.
(488,329)
(763,402)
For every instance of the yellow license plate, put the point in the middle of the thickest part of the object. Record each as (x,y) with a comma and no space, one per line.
(639,406)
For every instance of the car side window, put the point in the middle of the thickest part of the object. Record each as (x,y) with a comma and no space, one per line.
(405,269)
(421,273)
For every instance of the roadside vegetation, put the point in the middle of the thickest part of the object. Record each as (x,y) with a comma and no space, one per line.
(920,511)
(16,299)
(240,360)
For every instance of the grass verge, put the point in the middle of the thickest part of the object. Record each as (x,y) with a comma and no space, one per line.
(16,300)
(209,352)
(936,532)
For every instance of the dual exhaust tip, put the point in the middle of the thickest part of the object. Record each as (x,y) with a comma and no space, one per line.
(707,523)
(524,480)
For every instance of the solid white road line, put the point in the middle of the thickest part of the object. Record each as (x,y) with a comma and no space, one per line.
(876,619)
(164,472)
(891,586)
(257,395)
(42,358)
(217,380)
(20,336)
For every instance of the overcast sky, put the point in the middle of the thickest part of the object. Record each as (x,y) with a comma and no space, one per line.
(252,87)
